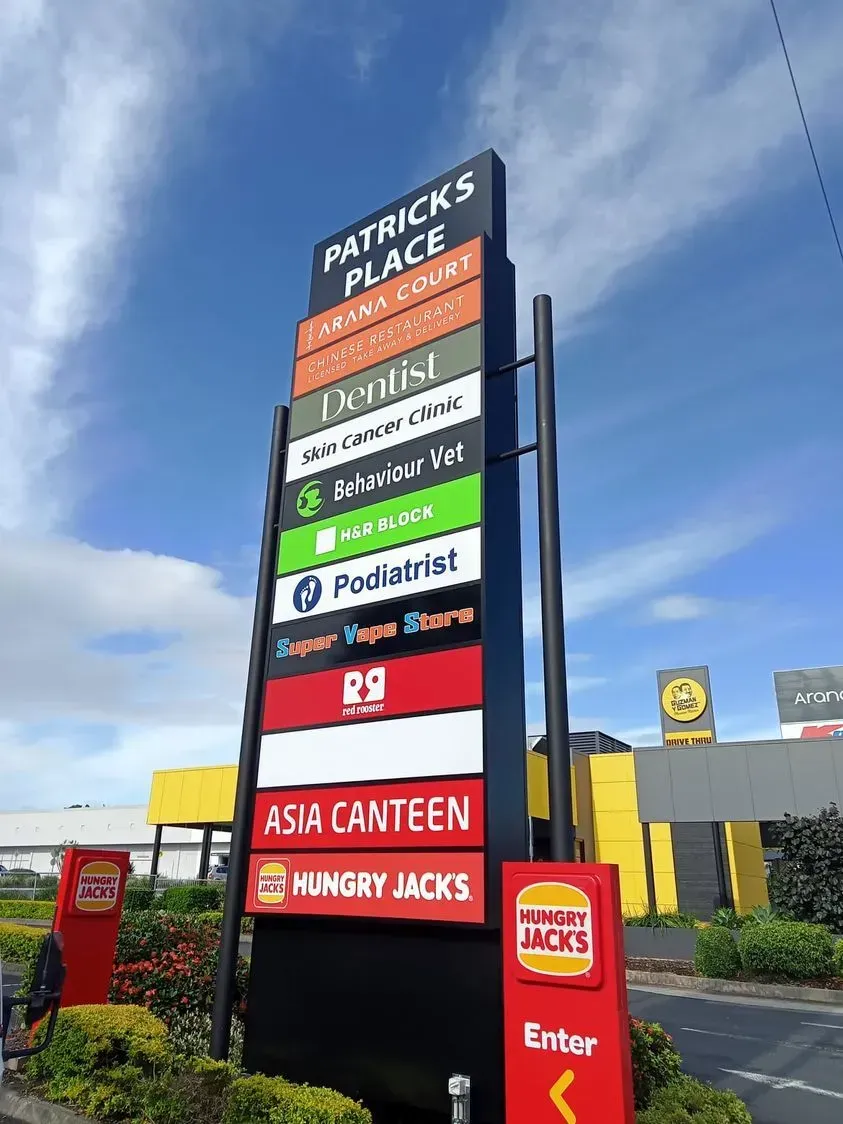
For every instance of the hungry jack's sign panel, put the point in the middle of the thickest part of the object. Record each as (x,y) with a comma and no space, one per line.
(419,886)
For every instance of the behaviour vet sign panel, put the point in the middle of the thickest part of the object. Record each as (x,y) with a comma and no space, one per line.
(377,665)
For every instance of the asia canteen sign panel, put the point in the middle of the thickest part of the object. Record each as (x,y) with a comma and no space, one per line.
(376,756)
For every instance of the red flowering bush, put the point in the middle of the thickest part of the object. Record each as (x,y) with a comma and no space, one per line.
(168,963)
(655,1060)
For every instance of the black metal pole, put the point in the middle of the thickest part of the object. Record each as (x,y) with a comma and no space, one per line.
(720,865)
(156,853)
(247,774)
(205,852)
(550,567)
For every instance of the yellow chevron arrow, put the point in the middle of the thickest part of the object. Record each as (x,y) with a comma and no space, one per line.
(559,1101)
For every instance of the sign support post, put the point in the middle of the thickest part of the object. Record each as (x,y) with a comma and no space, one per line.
(550,563)
(247,772)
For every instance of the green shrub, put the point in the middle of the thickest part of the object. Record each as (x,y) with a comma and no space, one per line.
(212,916)
(727,918)
(270,1100)
(137,899)
(658,919)
(717,954)
(92,1038)
(168,962)
(120,1064)
(764,915)
(807,882)
(115,1063)
(27,910)
(655,1060)
(21,944)
(692,1101)
(190,1032)
(838,958)
(793,950)
(192,899)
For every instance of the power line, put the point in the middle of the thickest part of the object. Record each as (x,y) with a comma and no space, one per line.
(807,132)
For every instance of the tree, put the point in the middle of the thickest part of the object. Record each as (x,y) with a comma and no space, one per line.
(808,882)
(57,854)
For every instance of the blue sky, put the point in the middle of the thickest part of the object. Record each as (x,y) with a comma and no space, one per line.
(166,170)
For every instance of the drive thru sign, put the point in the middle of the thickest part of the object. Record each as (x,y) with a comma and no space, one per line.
(565,1006)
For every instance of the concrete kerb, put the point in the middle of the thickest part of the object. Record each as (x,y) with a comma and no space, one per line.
(27,1110)
(818,995)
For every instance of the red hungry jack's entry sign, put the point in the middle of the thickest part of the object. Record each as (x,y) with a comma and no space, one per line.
(566,1024)
(88,908)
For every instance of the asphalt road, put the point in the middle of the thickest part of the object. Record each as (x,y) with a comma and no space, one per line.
(784,1060)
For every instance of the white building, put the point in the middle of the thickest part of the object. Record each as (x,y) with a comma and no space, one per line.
(27,839)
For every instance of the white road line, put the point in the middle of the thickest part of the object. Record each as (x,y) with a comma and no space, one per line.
(801,1047)
(825,1026)
(783,1083)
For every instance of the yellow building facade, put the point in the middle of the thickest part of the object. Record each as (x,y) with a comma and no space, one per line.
(605,813)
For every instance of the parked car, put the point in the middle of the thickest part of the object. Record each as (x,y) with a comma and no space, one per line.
(18,871)
(218,873)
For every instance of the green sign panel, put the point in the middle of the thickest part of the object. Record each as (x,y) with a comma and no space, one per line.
(419,515)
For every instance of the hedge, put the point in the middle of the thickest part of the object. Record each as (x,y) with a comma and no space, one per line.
(716,954)
(89,1038)
(838,958)
(655,1060)
(192,899)
(138,898)
(268,1100)
(21,944)
(118,1064)
(692,1101)
(793,950)
(28,910)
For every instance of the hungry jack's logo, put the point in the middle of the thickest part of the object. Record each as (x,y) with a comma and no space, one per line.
(272,886)
(97,886)
(555,929)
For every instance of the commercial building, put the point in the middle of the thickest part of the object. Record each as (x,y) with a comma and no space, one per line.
(664,865)
(687,826)
(30,840)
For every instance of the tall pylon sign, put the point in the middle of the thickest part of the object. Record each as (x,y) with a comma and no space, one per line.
(391,781)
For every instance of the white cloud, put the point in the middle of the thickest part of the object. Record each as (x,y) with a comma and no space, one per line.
(91,95)
(576,683)
(626,123)
(62,602)
(629,572)
(682,607)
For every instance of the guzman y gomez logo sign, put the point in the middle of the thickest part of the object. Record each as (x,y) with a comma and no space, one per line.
(810,695)
(447,212)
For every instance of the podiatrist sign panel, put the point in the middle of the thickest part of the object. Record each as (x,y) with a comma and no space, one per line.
(566,1023)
